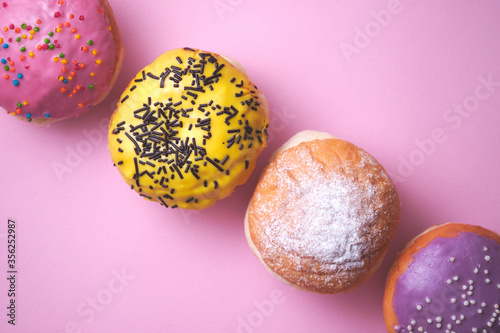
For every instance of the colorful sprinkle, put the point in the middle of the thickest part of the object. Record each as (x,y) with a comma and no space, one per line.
(91,86)
(90,42)
(20,75)
(5,46)
(15,82)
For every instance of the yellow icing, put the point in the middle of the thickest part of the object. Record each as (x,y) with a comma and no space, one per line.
(191,192)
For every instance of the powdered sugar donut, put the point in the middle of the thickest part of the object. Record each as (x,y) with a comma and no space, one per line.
(323,214)
(59,57)
(446,280)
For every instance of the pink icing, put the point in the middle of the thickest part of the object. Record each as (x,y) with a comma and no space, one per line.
(59,76)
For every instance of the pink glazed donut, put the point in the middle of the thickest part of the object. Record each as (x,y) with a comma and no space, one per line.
(58,57)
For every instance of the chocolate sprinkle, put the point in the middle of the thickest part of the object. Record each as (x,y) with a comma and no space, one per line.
(158,140)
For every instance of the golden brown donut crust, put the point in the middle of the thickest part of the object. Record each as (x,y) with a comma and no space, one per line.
(323,215)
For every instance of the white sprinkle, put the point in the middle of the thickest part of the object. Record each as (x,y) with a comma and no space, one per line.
(427,300)
(453,300)
(464,287)
(462,317)
(470,293)
(448,281)
(413,322)
(474,330)
(419,307)
(409,328)
(480,311)
(452,259)
(439,319)
(483,304)
(438,325)
(455,278)
(486,272)
(464,296)
(449,326)
(485,249)
(420,329)
(466,303)
(453,317)
(487,258)
(429,321)
(487,281)
(496,306)
(498,286)
(490,324)
(458,322)
(472,302)
(476,270)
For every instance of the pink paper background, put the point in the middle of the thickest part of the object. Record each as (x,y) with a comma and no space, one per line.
(193,271)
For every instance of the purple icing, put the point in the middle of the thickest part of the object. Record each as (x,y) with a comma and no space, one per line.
(452,285)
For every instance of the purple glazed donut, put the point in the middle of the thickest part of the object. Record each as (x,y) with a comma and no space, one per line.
(446,280)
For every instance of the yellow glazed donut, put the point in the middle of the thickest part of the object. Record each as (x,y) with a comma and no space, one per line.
(188,129)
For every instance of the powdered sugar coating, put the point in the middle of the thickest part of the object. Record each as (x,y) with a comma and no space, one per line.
(323,215)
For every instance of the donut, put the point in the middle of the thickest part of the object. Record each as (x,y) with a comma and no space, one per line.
(59,57)
(188,129)
(323,214)
(446,280)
